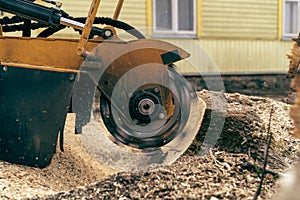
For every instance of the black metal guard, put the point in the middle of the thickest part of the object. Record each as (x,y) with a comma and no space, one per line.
(33,109)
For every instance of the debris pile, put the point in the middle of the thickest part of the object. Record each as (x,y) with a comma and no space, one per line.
(230,170)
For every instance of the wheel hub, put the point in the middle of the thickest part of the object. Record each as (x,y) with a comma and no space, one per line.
(148,125)
(146,106)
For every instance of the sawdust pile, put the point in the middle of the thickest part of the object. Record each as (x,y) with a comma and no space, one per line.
(231,170)
(218,175)
(68,170)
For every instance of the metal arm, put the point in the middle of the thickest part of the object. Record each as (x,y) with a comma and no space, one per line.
(118,9)
(81,49)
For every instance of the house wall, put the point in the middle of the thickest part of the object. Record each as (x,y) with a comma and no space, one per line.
(235,55)
(240,37)
(251,19)
(244,36)
(249,55)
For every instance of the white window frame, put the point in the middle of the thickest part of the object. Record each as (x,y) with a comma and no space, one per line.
(174,32)
(284,34)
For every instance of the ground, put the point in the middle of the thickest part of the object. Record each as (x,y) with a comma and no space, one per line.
(229,170)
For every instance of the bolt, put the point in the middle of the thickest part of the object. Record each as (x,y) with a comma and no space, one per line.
(106,82)
(5,68)
(107,33)
(156,90)
(72,77)
(161,116)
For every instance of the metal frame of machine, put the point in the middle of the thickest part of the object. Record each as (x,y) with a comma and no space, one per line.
(34,107)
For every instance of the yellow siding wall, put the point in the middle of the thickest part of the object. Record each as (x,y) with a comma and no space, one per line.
(240,18)
(235,56)
(249,55)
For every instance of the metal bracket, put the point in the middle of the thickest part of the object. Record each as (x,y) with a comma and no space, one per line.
(81,49)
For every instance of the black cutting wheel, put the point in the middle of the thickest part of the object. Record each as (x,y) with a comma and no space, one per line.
(149,125)
(152,125)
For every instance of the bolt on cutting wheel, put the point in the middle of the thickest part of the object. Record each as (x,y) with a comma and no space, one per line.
(148,122)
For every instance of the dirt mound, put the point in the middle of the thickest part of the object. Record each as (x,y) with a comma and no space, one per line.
(230,170)
(247,119)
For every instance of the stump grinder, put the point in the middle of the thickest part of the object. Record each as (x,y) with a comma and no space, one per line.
(133,108)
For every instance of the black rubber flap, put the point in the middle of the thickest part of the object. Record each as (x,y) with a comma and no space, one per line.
(33,109)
